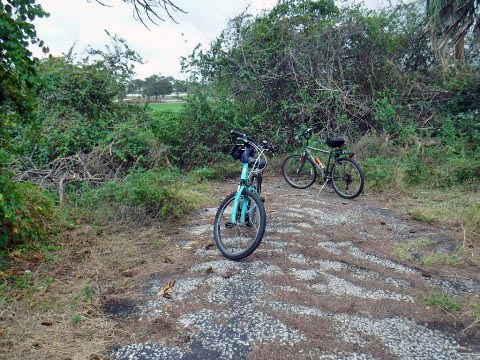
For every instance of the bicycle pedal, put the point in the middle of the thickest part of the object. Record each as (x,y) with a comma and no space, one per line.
(229,225)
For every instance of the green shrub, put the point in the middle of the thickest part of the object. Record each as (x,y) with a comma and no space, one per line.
(379,173)
(152,194)
(27,214)
(416,171)
(202,174)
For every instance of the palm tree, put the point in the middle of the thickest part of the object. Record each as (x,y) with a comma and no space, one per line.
(450,22)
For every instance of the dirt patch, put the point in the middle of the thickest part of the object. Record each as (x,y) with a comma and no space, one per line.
(324,283)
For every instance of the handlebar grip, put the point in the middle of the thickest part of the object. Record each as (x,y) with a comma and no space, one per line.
(237,133)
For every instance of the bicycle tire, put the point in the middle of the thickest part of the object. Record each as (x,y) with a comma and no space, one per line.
(346,172)
(229,236)
(298,175)
(257,183)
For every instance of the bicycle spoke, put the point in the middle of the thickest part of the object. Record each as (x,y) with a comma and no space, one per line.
(299,171)
(236,240)
(347,178)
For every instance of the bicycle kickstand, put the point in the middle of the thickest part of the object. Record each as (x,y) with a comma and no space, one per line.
(319,191)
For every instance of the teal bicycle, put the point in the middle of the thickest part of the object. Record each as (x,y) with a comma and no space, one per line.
(241,219)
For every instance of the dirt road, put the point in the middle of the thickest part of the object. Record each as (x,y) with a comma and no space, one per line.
(322,285)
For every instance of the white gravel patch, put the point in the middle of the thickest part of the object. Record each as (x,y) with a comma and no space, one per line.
(367,274)
(221,267)
(318,354)
(155,308)
(302,274)
(287,230)
(404,338)
(331,247)
(281,244)
(341,287)
(203,252)
(294,212)
(297,258)
(260,268)
(327,265)
(304,225)
(286,288)
(329,217)
(227,267)
(232,333)
(293,309)
(237,289)
(348,247)
(201,229)
(147,351)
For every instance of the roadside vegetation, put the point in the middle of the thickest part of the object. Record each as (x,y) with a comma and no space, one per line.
(73,156)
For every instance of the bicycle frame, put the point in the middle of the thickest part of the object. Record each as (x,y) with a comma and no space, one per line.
(241,187)
(324,171)
(244,184)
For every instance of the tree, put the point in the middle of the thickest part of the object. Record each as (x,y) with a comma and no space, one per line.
(147,9)
(136,86)
(118,58)
(156,85)
(179,86)
(17,64)
(23,209)
(451,21)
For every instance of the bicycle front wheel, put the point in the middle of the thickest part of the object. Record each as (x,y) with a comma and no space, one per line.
(347,178)
(240,238)
(299,171)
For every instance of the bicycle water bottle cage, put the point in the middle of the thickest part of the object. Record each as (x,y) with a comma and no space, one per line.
(335,142)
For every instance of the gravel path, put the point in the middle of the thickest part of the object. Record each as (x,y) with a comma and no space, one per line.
(322,285)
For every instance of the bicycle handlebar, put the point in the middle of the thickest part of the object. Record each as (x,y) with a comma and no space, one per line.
(307,133)
(238,133)
(246,138)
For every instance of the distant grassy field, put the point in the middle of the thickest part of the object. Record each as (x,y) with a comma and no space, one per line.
(166,106)
(182,96)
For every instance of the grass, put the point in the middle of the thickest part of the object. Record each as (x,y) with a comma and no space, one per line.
(442,301)
(440,258)
(457,207)
(421,250)
(172,106)
(472,312)
(405,251)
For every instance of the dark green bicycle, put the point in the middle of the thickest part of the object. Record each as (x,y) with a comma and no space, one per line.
(340,170)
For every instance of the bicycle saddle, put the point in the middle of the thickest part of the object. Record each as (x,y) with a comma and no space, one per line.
(335,141)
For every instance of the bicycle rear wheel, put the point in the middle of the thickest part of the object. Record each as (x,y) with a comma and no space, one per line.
(237,240)
(299,171)
(257,183)
(347,178)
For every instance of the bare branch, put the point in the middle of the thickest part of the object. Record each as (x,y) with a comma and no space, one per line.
(150,10)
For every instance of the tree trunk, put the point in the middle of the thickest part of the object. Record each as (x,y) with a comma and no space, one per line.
(460,48)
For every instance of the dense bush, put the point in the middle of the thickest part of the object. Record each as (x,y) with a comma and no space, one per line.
(355,71)
(27,214)
(140,196)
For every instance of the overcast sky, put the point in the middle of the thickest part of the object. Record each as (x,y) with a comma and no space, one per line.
(83,22)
